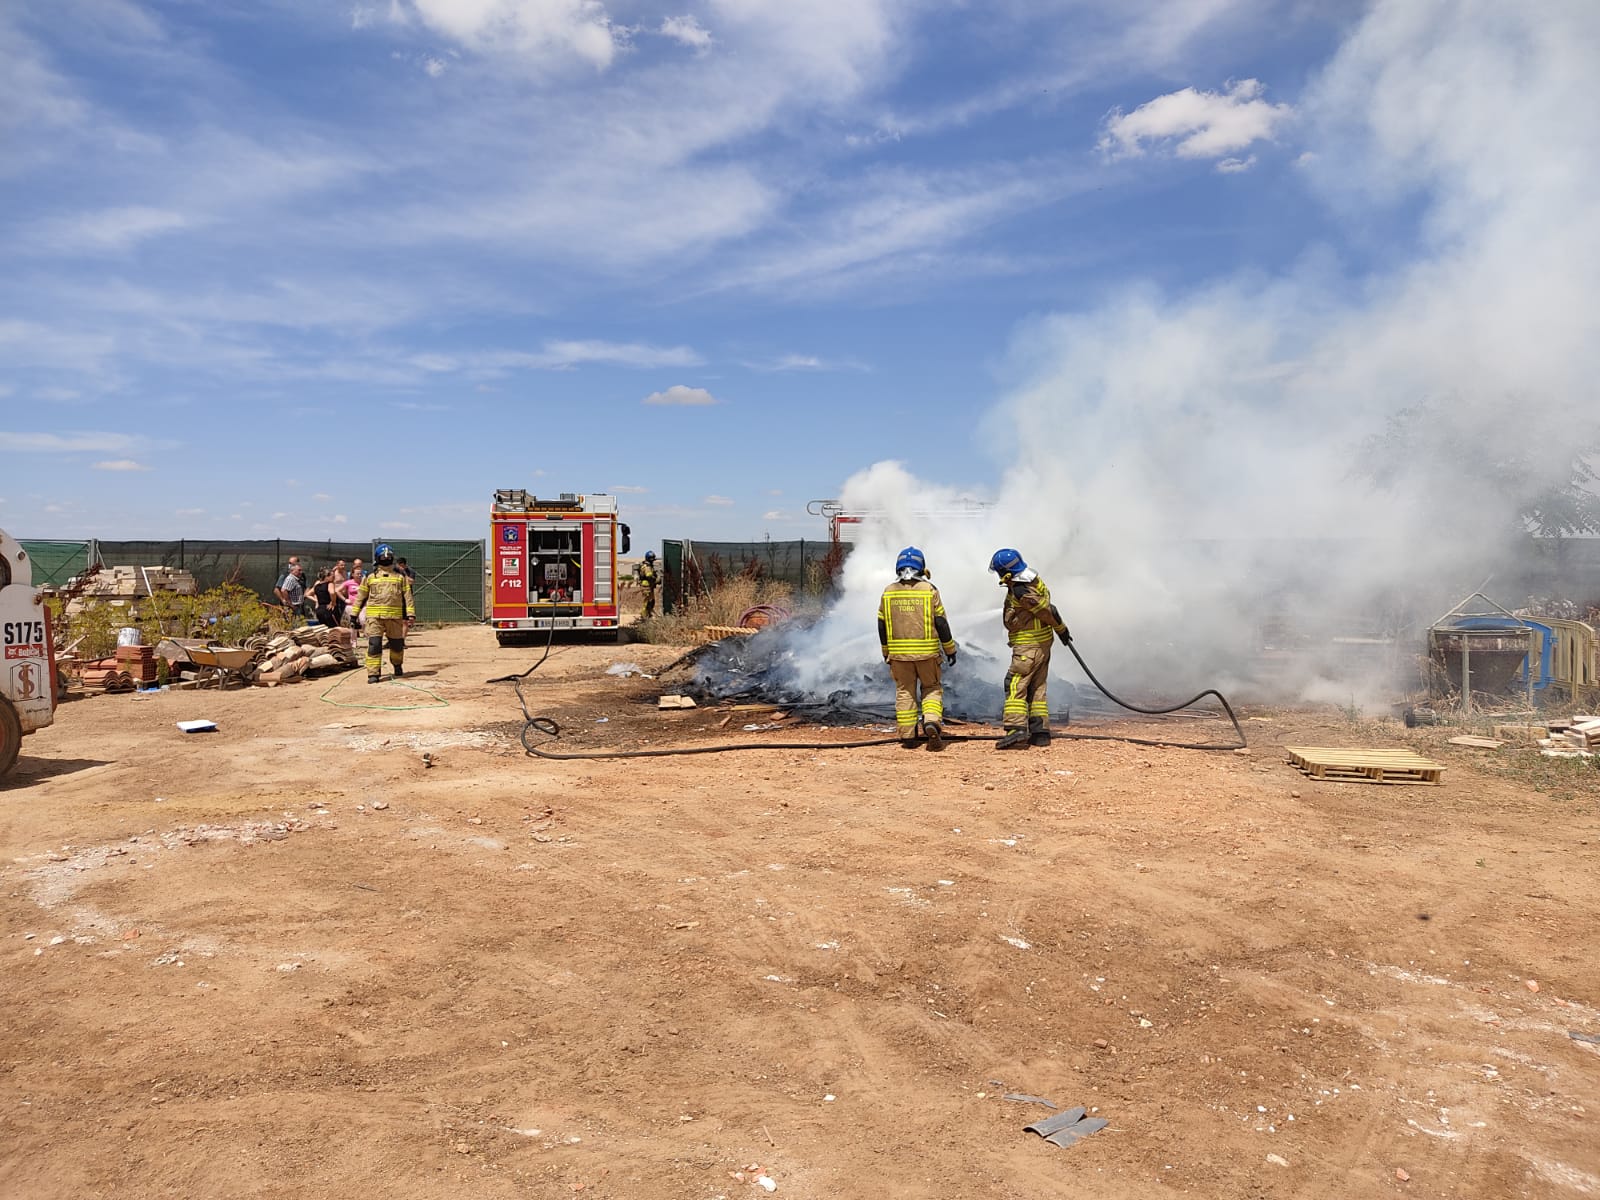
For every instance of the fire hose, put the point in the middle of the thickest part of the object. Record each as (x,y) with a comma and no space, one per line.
(550,729)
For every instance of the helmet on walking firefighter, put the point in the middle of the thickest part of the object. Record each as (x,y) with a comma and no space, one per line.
(383,554)
(911,564)
(1007,564)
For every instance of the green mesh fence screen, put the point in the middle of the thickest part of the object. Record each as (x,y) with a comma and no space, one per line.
(257,565)
(56,562)
(449,582)
(695,568)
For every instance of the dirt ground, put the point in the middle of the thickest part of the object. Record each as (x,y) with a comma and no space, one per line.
(289,958)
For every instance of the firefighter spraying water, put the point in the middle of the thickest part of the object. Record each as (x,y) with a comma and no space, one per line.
(27,672)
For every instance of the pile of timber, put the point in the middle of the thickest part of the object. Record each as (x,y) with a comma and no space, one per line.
(1578,734)
(284,657)
(125,586)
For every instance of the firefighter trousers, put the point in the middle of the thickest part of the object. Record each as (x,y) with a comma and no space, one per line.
(909,675)
(1026,705)
(649,603)
(378,629)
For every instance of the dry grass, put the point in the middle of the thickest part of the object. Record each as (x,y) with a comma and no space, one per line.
(723,605)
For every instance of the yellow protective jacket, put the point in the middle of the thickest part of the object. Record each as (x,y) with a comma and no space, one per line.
(1030,619)
(386,593)
(649,576)
(911,621)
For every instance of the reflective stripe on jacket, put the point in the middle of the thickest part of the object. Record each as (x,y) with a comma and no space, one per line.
(1027,615)
(386,593)
(910,613)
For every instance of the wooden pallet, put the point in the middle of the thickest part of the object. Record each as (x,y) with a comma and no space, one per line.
(1364,766)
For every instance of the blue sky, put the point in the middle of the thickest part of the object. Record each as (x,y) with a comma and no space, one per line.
(312,269)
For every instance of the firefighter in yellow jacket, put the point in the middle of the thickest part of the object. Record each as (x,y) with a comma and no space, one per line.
(649,581)
(1031,622)
(913,631)
(385,598)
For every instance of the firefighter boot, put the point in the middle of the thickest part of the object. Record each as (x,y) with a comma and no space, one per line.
(1014,739)
(1038,732)
(935,735)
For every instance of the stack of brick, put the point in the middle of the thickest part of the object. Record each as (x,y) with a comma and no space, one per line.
(138,663)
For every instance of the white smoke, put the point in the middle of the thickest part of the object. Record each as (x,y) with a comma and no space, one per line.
(1174,456)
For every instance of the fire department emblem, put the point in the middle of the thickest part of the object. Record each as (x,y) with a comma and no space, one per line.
(510,533)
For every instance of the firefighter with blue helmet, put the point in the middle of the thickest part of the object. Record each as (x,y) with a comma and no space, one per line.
(1031,622)
(385,601)
(913,632)
(649,581)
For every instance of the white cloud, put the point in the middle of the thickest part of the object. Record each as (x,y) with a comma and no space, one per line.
(629,490)
(1197,124)
(434,67)
(71,443)
(680,394)
(394,526)
(120,464)
(107,229)
(322,496)
(1233,166)
(687,30)
(621,354)
(774,491)
(189,512)
(339,519)
(539,30)
(894,219)
(717,501)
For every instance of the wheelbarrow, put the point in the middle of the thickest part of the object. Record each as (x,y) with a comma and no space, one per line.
(221,663)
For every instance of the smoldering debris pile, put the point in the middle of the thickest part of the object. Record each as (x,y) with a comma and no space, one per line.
(779,666)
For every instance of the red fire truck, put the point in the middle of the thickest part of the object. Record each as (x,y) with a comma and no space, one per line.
(554,563)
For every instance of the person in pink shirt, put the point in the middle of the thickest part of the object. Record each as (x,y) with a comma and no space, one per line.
(350,587)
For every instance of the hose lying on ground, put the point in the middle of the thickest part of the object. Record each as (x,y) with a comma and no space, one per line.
(548,727)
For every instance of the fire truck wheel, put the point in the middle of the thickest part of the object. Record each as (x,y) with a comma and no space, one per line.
(10,735)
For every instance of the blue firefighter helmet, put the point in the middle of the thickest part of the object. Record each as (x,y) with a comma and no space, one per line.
(1007,563)
(911,559)
(383,554)
(649,556)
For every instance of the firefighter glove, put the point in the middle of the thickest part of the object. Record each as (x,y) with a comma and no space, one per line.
(1064,634)
(950,659)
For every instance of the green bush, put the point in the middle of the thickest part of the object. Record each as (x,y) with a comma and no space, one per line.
(227,614)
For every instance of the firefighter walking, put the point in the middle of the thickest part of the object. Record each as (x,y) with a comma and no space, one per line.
(385,598)
(649,580)
(913,631)
(1031,622)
